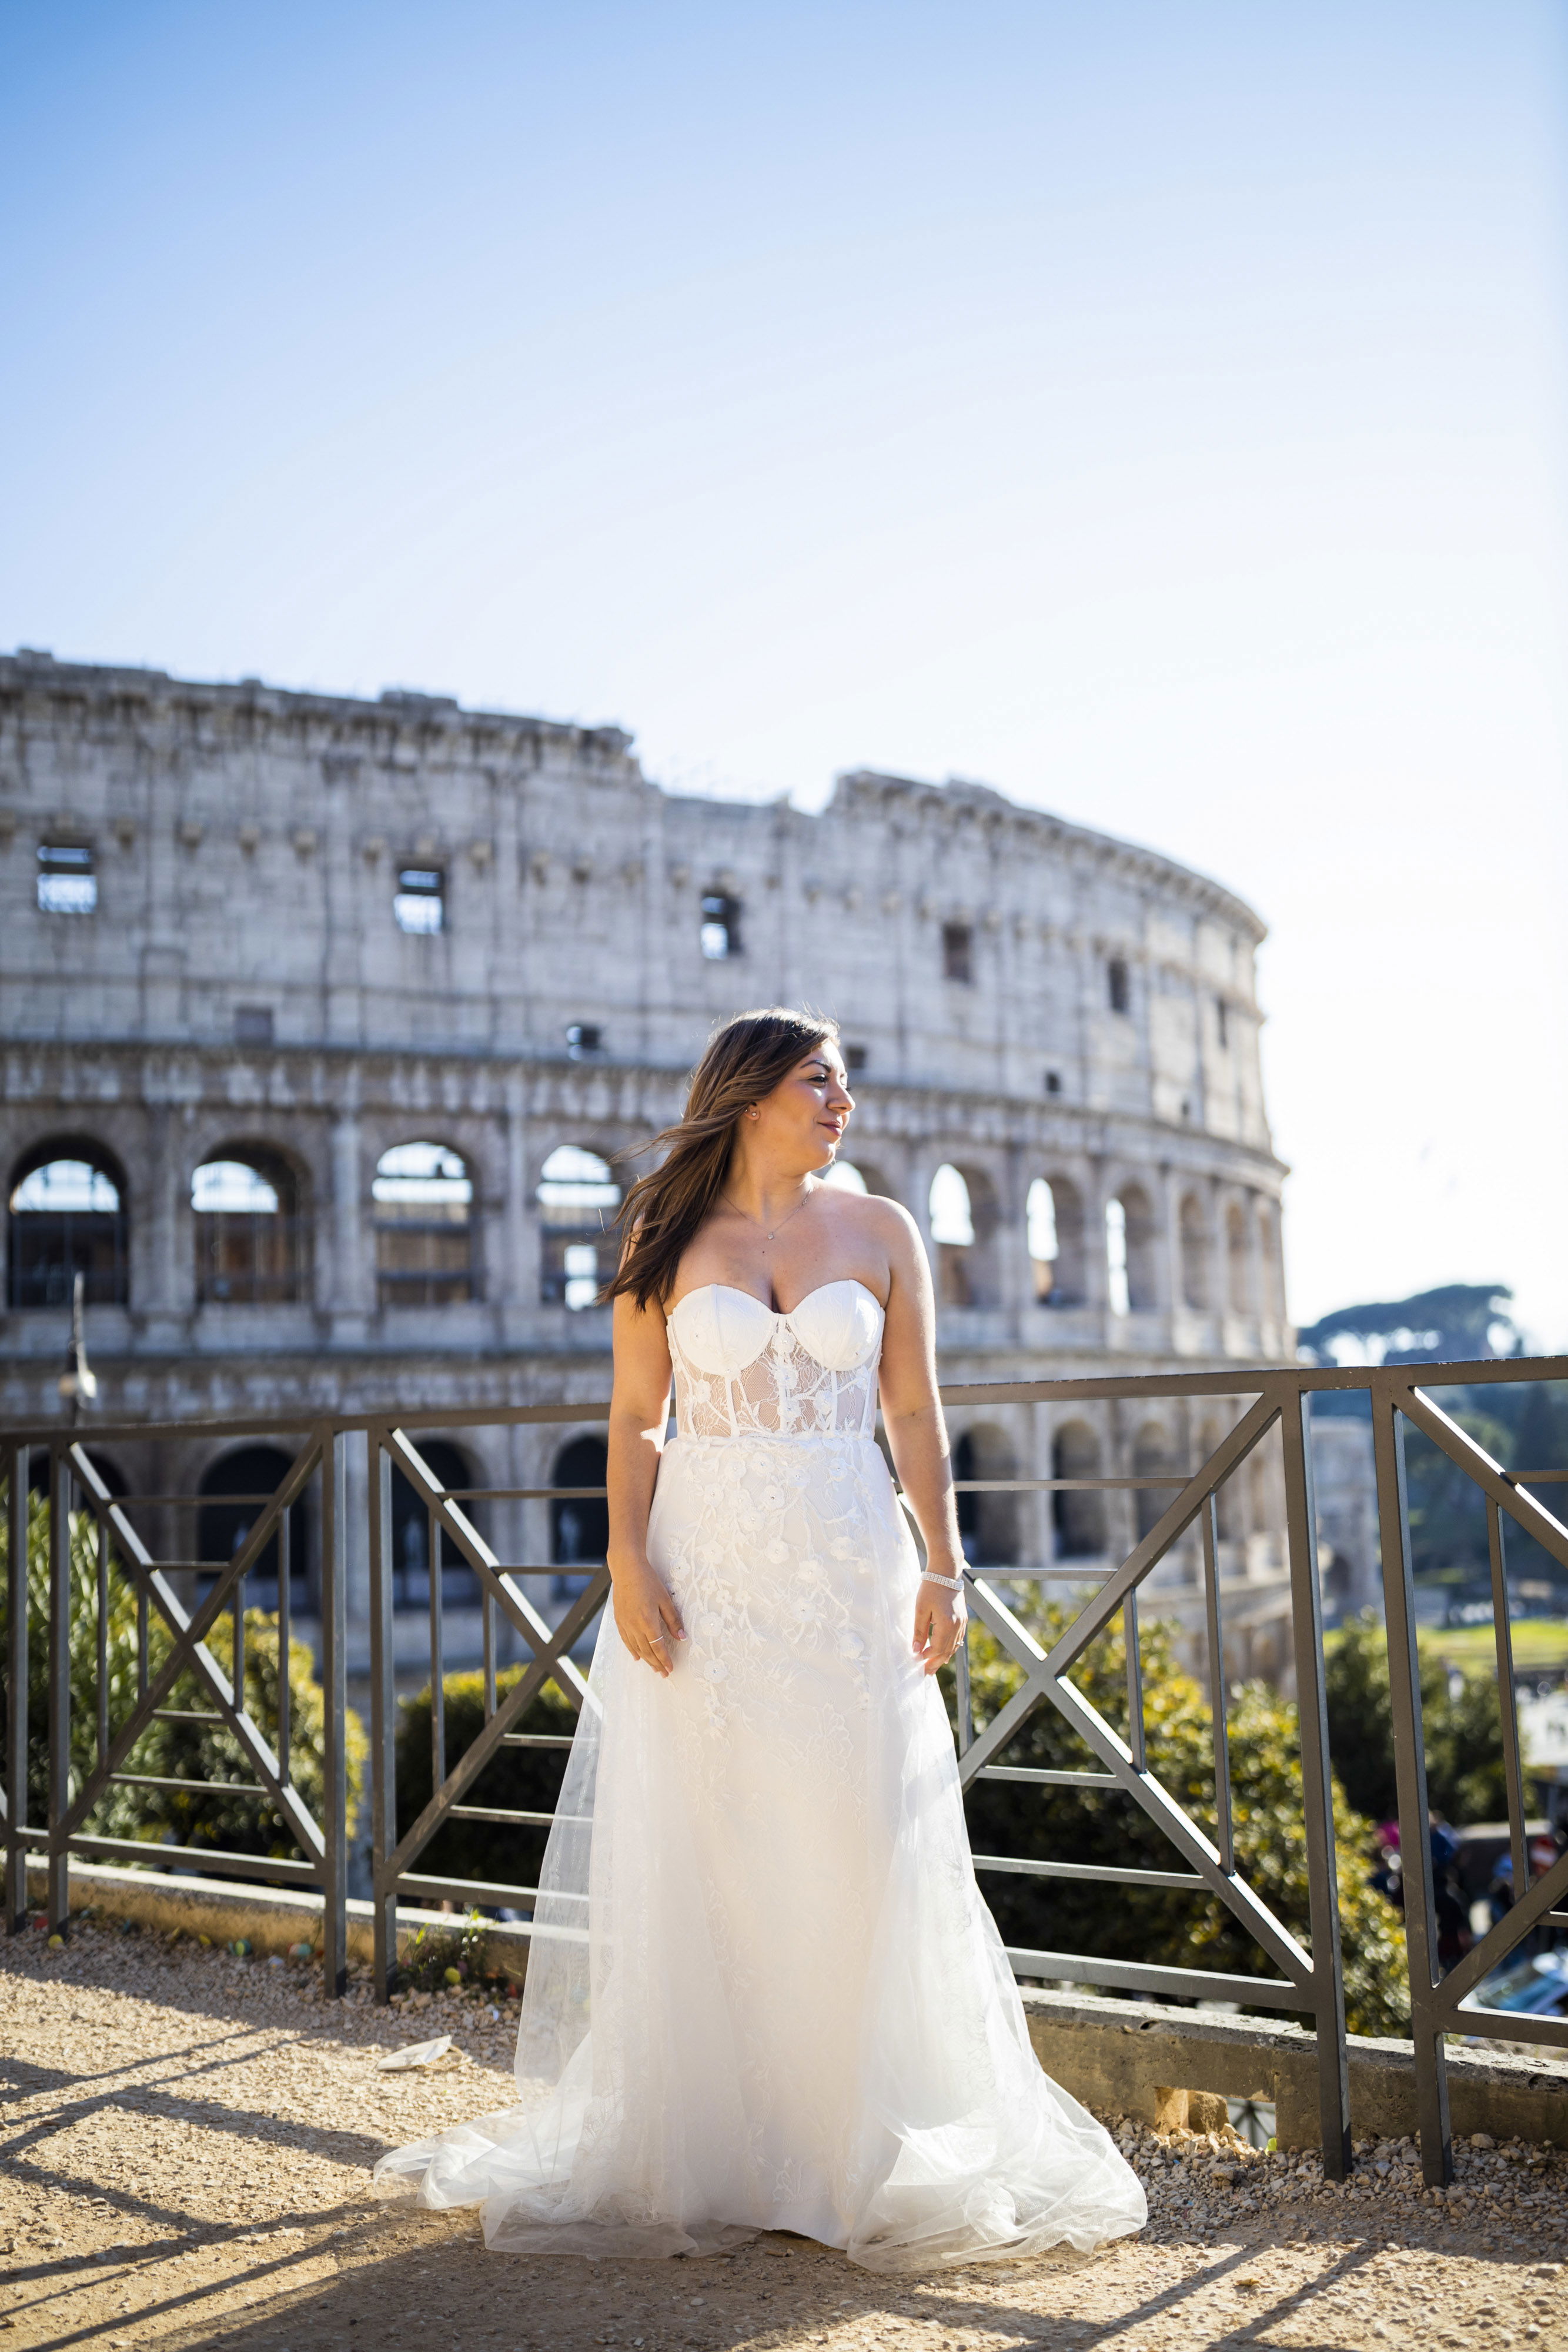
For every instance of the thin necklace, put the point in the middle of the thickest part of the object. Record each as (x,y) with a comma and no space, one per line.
(757,1220)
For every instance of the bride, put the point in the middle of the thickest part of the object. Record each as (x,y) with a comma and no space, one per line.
(763,1991)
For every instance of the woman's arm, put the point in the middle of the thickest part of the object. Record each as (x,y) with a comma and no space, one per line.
(646,1617)
(917,1435)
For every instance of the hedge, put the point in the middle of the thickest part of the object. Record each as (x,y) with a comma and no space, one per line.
(184,1751)
(1175,1930)
(521,1779)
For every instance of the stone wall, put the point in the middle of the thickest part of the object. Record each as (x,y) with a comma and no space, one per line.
(1023,1000)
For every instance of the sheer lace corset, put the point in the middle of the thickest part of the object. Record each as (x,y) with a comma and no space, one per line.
(742,1370)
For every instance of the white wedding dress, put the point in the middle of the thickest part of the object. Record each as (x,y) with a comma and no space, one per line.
(763,1990)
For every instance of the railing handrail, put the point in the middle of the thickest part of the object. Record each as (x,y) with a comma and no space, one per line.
(1225,1381)
(343,1425)
(1310,1379)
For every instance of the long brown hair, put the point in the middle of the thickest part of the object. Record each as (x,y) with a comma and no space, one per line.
(663,1211)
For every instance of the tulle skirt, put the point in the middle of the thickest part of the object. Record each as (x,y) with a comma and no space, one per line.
(763,1990)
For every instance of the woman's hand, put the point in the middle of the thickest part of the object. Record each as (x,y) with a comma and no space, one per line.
(646,1617)
(940,1618)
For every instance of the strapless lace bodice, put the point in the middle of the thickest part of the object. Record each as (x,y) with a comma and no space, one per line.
(742,1370)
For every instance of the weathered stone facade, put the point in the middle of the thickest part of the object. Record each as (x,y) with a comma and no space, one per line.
(240,990)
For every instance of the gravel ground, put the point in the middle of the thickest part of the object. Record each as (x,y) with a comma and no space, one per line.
(189,2136)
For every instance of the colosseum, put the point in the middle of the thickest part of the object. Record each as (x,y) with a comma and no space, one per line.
(326,1024)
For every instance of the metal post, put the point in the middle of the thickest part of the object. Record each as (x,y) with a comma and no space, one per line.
(1224,1831)
(335,1701)
(1317,1786)
(1512,1756)
(437,1656)
(101,1596)
(17,1696)
(383,1719)
(285,1634)
(963,1695)
(1136,1735)
(238,1644)
(1410,1774)
(59,1896)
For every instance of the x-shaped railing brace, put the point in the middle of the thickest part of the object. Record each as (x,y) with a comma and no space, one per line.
(1148,1793)
(549,1647)
(190,1653)
(1440,2004)
(1045,1680)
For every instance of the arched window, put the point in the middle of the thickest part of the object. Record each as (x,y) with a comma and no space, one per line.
(987,1523)
(719,934)
(1151,1456)
(67,884)
(1228,1495)
(108,1469)
(962,1212)
(1130,1252)
(251,1243)
(1055,1214)
(1260,1495)
(1237,1260)
(578,1197)
(952,1223)
(68,1217)
(1044,1242)
(1142,1292)
(425,1229)
(241,1485)
(952,1235)
(419,902)
(1116,1257)
(578,1523)
(415,1532)
(1194,1252)
(1078,1513)
(1269,1266)
(859,1176)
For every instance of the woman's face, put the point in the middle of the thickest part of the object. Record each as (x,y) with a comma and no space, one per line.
(803,1120)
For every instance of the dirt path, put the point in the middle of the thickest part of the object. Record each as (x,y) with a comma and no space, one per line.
(188,2137)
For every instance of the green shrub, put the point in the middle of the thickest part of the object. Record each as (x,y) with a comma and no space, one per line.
(210,1751)
(1175,1930)
(187,1752)
(521,1779)
(122,1677)
(1465,1779)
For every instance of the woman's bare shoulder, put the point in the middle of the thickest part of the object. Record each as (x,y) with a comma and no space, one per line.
(888,1222)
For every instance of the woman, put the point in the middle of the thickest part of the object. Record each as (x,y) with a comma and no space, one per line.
(758,1881)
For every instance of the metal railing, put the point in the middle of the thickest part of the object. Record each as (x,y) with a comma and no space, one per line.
(347,1466)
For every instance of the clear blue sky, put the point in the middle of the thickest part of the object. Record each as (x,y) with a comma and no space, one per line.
(1156,410)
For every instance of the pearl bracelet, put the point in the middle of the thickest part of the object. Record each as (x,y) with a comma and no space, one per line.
(949,1583)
